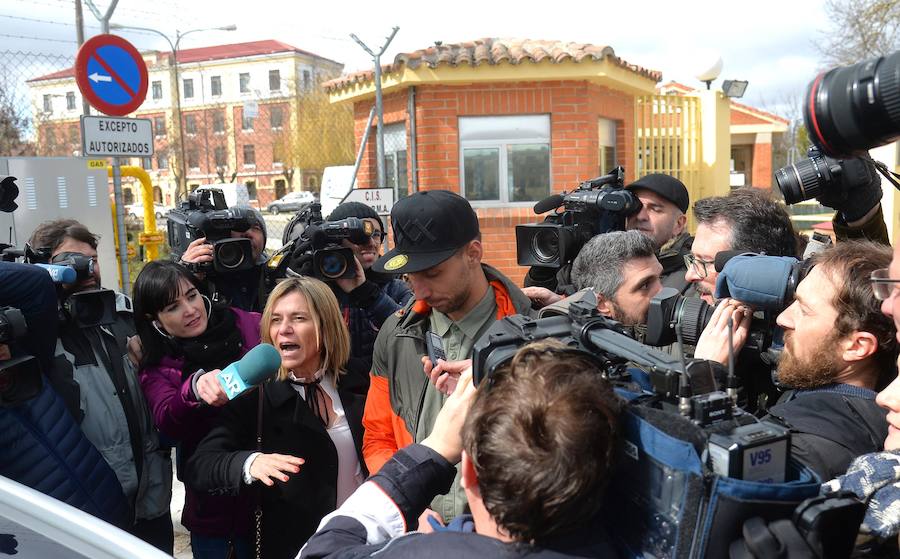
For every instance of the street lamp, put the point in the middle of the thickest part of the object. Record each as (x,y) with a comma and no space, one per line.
(174,47)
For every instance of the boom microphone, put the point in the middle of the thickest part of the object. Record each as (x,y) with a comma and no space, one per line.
(549,203)
(257,365)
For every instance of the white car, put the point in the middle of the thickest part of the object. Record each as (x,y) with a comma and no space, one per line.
(291,202)
(35,525)
(136,211)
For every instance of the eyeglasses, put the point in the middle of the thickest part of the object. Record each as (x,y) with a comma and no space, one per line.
(697,264)
(883,285)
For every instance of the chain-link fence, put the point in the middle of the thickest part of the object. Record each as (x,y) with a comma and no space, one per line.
(23,112)
(262,122)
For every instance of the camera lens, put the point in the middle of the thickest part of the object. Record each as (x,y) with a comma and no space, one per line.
(545,245)
(803,180)
(229,255)
(693,314)
(851,109)
(333,266)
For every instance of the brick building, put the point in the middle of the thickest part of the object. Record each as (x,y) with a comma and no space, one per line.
(240,118)
(504,123)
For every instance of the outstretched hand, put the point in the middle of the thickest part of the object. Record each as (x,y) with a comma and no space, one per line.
(269,468)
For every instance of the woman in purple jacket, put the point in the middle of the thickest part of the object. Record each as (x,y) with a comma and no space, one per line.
(186,340)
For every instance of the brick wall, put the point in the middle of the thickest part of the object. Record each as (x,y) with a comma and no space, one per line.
(762,166)
(573,106)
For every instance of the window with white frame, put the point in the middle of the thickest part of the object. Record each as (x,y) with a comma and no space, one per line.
(606,142)
(48,104)
(70,100)
(274,80)
(505,158)
(244,82)
(157,90)
(395,175)
(188,88)
(215,86)
(218,121)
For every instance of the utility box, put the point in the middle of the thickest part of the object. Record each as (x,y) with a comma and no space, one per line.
(62,187)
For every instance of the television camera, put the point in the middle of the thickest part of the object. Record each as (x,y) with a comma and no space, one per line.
(597,206)
(205,215)
(314,247)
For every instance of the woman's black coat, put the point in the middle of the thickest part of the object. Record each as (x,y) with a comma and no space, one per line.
(291,510)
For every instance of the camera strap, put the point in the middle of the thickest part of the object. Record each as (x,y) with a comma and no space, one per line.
(887,173)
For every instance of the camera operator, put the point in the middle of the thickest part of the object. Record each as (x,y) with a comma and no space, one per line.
(370,297)
(101,383)
(746,220)
(242,289)
(536,443)
(41,445)
(838,350)
(664,203)
(622,270)
(457,298)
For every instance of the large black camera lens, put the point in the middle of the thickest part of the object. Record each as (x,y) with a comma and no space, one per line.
(333,265)
(852,109)
(668,308)
(806,179)
(545,245)
(229,255)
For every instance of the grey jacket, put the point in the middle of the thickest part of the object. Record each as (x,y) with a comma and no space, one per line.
(107,401)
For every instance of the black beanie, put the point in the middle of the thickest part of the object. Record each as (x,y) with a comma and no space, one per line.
(354,209)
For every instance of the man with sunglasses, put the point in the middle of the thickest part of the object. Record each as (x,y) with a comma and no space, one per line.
(98,383)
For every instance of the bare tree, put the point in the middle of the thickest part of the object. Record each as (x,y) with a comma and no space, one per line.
(13,125)
(860,29)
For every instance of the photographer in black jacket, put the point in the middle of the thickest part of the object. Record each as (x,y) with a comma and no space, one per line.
(368,298)
(536,447)
(242,289)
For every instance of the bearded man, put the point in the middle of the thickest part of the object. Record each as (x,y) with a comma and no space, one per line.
(839,349)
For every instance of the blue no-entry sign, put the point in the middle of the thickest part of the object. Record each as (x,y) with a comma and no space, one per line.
(111,75)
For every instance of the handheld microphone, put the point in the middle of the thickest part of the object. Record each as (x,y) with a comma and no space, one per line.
(257,365)
(549,203)
(60,274)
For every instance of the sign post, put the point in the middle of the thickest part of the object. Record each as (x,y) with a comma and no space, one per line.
(112,76)
(379,199)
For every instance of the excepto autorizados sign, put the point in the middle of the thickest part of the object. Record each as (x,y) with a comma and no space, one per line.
(117,137)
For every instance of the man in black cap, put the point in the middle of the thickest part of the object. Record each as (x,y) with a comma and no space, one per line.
(665,202)
(437,244)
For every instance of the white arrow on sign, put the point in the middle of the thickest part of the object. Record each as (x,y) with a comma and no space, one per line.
(95,77)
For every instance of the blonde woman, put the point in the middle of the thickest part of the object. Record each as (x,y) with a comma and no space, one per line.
(309,459)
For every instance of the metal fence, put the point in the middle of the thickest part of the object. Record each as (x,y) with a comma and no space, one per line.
(274,140)
(667,138)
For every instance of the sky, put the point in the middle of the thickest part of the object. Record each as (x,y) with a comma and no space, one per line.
(771,44)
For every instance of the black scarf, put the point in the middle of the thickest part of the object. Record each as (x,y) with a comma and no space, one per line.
(315,397)
(217,347)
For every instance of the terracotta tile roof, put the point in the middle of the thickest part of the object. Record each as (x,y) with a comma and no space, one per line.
(495,51)
(216,52)
(673,85)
